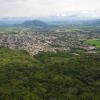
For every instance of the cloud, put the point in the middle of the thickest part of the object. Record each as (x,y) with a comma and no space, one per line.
(47,7)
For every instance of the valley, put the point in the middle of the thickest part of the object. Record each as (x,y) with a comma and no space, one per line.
(48,39)
(49,62)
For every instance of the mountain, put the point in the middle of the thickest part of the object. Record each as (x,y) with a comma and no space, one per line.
(93,22)
(13,20)
(77,22)
(48,21)
(34,23)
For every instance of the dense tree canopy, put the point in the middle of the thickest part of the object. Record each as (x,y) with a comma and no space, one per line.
(49,76)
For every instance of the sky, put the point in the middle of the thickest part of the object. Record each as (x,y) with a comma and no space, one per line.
(21,8)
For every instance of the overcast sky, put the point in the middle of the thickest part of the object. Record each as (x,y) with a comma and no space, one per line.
(15,8)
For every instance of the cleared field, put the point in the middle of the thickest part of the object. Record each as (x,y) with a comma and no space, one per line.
(93,42)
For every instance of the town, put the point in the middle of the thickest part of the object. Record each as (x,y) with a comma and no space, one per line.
(35,42)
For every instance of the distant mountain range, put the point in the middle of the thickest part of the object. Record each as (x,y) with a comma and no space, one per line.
(28,23)
(47,21)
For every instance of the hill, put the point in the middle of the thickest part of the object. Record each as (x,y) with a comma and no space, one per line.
(34,23)
(49,76)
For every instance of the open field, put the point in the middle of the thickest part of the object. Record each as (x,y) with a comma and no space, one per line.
(95,42)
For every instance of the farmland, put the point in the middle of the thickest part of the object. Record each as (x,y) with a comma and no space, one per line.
(95,42)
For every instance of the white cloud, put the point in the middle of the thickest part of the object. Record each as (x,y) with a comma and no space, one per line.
(48,7)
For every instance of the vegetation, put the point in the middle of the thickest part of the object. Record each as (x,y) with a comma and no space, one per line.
(95,42)
(49,76)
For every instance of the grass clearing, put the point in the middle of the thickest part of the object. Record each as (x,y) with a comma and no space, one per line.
(95,42)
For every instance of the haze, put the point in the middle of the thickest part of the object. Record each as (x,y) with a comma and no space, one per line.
(20,8)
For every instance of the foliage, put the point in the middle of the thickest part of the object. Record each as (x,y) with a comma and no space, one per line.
(49,76)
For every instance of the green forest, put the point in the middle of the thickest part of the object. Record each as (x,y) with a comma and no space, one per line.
(49,76)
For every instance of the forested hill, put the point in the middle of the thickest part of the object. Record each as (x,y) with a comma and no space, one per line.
(49,76)
(34,23)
